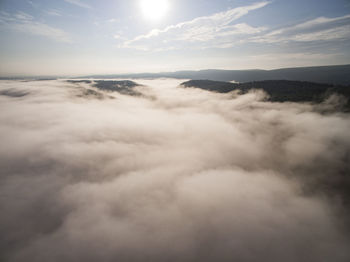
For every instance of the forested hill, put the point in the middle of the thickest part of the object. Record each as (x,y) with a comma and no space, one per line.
(278,90)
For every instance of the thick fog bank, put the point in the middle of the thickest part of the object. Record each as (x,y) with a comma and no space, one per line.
(172,174)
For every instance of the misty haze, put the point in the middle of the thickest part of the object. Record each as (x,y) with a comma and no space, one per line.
(119,143)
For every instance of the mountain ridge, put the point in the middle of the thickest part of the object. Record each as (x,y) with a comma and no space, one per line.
(335,74)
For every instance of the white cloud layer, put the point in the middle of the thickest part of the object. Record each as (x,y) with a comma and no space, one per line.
(175,175)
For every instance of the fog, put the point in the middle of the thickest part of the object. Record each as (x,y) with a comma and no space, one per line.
(174,174)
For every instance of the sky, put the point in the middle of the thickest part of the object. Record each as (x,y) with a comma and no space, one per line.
(80,37)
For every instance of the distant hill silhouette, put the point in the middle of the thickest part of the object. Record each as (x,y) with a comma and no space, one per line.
(337,75)
(278,90)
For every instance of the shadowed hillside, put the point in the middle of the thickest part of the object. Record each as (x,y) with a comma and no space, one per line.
(125,87)
(278,90)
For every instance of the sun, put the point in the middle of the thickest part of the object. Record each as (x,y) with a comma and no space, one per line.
(154,9)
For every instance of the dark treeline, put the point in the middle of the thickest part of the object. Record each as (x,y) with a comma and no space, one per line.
(278,90)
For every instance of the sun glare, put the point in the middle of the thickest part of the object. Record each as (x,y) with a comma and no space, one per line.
(154,9)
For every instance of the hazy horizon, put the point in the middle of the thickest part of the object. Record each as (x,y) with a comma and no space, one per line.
(130,73)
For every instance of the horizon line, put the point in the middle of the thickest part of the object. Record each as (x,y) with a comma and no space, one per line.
(22,76)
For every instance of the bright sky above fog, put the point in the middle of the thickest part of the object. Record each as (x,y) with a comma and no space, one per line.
(74,37)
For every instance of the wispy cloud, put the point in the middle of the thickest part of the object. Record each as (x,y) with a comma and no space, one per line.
(318,29)
(26,23)
(220,31)
(79,3)
(34,5)
(119,37)
(23,16)
(53,12)
(113,20)
(205,32)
